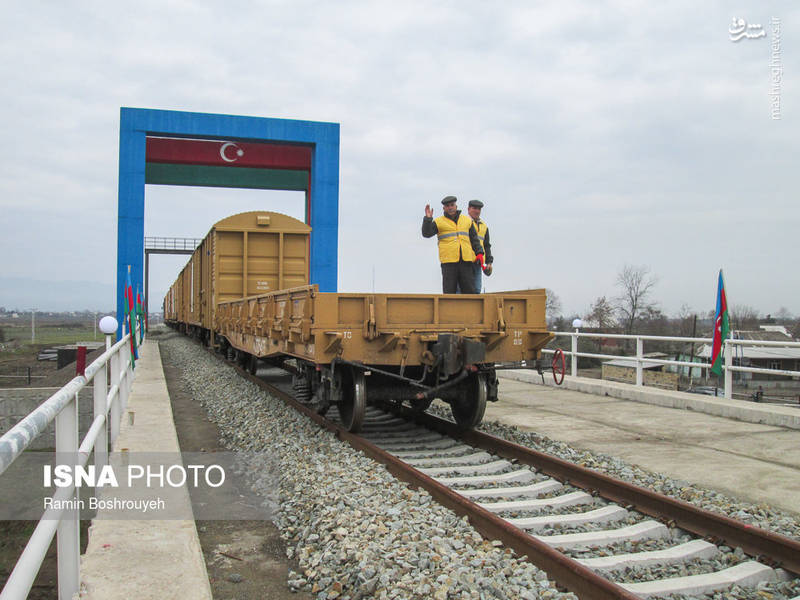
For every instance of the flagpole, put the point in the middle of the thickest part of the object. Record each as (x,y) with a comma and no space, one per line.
(729,351)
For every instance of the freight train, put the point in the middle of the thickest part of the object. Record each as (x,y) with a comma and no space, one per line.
(246,293)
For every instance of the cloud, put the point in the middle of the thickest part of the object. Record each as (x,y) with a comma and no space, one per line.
(597,133)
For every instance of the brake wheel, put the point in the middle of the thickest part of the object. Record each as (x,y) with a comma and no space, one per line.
(559,366)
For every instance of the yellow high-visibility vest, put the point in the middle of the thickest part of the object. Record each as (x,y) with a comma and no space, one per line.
(481,228)
(454,237)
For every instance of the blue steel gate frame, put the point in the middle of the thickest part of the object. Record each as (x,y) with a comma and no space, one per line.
(137,123)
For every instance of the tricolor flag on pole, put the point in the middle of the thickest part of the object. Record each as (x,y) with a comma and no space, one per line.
(140,315)
(722,327)
(130,316)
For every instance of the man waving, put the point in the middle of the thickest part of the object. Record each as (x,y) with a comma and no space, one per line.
(459,246)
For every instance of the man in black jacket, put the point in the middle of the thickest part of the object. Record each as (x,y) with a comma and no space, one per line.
(474,208)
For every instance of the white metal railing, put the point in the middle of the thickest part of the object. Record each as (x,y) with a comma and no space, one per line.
(640,360)
(171,243)
(109,404)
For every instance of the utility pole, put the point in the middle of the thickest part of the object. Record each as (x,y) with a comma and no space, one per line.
(691,351)
(33,325)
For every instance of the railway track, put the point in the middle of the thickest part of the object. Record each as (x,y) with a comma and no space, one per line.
(558,514)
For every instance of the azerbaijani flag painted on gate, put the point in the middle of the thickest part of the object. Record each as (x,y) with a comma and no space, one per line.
(722,327)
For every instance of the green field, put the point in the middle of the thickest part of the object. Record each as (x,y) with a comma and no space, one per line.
(51,335)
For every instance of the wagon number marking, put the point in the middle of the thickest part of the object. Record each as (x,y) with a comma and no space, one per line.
(347,335)
(517,337)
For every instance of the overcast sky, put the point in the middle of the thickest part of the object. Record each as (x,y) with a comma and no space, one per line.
(598,134)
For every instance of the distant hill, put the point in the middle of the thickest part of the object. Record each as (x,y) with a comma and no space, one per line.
(19,293)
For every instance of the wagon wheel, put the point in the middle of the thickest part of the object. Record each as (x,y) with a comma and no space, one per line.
(353,405)
(468,411)
(559,366)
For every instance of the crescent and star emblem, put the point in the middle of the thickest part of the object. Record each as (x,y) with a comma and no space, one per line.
(224,155)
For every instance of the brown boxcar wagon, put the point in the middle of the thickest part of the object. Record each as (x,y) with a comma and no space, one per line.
(252,298)
(243,255)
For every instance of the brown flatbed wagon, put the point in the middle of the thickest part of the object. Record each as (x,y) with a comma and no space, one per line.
(351,348)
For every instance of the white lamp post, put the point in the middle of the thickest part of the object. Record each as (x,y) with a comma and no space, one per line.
(108,325)
(577,324)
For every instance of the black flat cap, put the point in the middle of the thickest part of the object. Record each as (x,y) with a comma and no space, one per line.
(476,203)
(449,199)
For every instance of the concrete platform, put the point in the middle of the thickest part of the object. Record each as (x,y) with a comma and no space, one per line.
(741,410)
(758,462)
(146,559)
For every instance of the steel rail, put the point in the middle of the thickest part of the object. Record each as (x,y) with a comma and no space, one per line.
(565,571)
(781,551)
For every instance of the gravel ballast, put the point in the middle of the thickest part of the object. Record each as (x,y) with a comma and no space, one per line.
(356,532)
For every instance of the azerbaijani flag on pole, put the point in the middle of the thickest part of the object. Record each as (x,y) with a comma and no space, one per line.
(722,327)
(140,315)
(129,314)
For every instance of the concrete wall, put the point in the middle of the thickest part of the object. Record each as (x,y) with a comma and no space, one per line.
(659,379)
(18,403)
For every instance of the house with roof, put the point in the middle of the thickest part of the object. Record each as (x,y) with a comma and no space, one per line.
(761,357)
(623,369)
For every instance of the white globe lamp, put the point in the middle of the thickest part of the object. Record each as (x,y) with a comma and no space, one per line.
(108,325)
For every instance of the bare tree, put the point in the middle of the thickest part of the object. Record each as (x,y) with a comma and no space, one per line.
(685,320)
(636,283)
(651,321)
(783,316)
(553,306)
(602,312)
(743,317)
(795,329)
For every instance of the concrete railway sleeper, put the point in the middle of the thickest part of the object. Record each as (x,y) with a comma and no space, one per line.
(544,508)
(547,508)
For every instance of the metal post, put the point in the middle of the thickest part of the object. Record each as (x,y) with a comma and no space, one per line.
(146,281)
(574,359)
(100,394)
(113,418)
(639,353)
(107,368)
(68,540)
(125,377)
(125,358)
(728,373)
